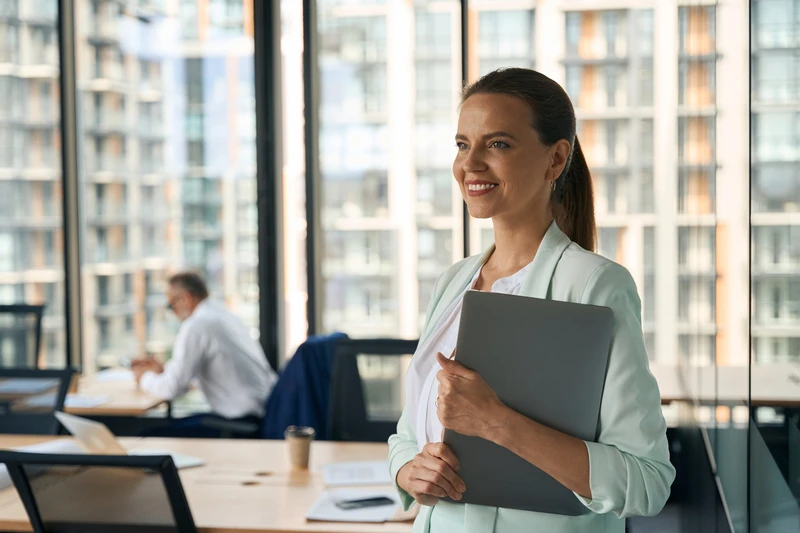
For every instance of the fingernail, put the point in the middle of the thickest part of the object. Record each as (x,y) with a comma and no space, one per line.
(457,497)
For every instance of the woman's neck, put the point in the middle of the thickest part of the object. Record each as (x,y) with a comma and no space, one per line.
(516,243)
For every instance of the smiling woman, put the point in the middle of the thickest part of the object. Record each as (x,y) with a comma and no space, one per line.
(519,164)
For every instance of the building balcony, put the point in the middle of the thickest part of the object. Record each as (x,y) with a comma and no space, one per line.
(103,123)
(775,36)
(38,55)
(39,12)
(203,230)
(768,328)
(151,130)
(155,301)
(777,92)
(26,220)
(107,214)
(42,159)
(8,55)
(10,11)
(116,307)
(777,150)
(111,350)
(207,197)
(358,267)
(776,270)
(109,71)
(105,164)
(596,52)
(104,31)
(697,271)
(102,254)
(42,118)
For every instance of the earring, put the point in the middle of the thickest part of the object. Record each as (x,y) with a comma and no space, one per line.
(553,185)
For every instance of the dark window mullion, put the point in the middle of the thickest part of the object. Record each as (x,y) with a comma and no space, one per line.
(69,182)
(267,75)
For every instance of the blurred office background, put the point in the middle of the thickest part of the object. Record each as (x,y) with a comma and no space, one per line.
(688,114)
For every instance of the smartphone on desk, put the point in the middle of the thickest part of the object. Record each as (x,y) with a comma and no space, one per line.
(378,501)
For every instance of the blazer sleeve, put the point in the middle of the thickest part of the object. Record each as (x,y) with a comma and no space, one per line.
(630,472)
(403,444)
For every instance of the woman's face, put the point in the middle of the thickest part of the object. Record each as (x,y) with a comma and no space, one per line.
(502,168)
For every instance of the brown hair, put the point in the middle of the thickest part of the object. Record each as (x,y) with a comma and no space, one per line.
(190,281)
(553,118)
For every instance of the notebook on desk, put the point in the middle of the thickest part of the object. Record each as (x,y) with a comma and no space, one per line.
(546,360)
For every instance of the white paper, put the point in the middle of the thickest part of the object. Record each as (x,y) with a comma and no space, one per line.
(27,386)
(53,446)
(181,461)
(114,374)
(324,509)
(356,473)
(85,401)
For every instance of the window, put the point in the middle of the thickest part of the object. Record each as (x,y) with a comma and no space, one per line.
(506,38)
(30,215)
(386,187)
(147,139)
(573,33)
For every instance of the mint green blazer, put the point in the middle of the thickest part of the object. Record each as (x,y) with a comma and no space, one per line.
(630,472)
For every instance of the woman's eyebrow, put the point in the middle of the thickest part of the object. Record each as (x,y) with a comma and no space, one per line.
(461,137)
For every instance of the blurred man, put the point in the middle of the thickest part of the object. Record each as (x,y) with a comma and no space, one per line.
(214,351)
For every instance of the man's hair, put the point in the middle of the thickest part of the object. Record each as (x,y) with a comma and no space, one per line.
(192,282)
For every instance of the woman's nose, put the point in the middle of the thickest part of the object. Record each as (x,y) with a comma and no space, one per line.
(474,162)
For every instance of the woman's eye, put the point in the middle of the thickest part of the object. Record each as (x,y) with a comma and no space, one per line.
(499,144)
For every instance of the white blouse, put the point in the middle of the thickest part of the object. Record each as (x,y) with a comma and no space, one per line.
(422,387)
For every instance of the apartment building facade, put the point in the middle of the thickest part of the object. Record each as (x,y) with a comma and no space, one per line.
(671,204)
(167,165)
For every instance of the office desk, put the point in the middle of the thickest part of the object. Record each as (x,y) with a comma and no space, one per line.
(124,398)
(246,486)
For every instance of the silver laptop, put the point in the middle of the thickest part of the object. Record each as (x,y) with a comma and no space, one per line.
(97,438)
(545,359)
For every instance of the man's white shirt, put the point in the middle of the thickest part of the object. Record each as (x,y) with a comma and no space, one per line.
(214,350)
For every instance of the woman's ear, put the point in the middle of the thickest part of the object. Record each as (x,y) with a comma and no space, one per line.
(559,155)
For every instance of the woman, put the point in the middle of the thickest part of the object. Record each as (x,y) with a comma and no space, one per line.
(520,164)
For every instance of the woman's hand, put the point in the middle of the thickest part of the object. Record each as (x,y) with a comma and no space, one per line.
(432,475)
(466,403)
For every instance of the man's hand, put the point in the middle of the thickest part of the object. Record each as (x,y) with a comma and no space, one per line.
(140,366)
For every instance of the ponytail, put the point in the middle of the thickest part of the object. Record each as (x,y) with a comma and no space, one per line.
(572,201)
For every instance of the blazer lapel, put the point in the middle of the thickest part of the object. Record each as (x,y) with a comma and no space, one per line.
(456,286)
(537,281)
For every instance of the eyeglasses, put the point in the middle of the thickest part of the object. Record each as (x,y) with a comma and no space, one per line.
(171,303)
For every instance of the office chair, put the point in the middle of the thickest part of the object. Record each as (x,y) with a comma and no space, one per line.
(100,493)
(349,418)
(20,335)
(29,397)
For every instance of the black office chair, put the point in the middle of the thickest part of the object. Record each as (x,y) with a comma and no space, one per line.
(366,408)
(28,399)
(20,335)
(100,493)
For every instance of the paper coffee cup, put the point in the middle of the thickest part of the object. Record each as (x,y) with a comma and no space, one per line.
(298,440)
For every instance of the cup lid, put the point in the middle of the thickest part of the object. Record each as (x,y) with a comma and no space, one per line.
(300,431)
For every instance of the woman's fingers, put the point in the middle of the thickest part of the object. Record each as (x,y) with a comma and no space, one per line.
(443,452)
(435,471)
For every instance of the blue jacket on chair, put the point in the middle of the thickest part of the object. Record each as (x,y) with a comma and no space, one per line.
(301,395)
